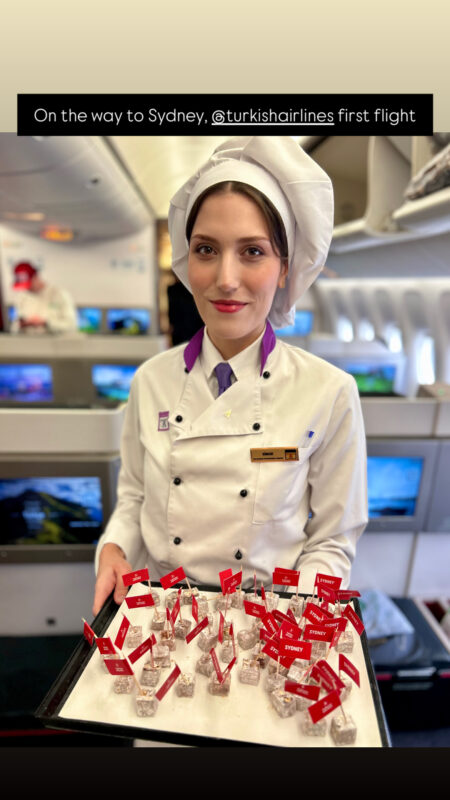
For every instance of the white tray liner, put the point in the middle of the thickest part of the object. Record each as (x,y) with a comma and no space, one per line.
(246,715)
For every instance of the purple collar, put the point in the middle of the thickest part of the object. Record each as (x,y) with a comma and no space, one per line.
(193,348)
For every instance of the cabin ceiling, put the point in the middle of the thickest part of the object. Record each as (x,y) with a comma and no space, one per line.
(100,188)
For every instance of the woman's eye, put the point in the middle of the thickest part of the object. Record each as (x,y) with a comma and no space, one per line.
(204,249)
(254,251)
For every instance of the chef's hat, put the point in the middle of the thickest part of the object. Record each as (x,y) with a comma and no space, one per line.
(298,188)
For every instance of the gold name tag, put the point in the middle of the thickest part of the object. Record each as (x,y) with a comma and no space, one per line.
(274,454)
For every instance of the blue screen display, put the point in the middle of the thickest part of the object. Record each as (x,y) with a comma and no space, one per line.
(128,321)
(372,378)
(89,319)
(302,326)
(393,485)
(26,383)
(112,381)
(50,510)
(12,313)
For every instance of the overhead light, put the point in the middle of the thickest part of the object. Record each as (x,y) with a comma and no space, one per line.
(56,234)
(28,216)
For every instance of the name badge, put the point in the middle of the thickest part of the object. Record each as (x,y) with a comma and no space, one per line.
(274,453)
(163,421)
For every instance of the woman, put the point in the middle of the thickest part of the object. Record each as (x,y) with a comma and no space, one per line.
(202,484)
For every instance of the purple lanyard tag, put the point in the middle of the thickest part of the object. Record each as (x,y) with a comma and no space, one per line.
(163,421)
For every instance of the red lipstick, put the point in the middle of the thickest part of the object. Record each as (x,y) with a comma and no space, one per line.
(228,306)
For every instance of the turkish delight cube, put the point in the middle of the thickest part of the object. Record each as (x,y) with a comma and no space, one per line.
(171,599)
(249,672)
(167,638)
(134,636)
(218,688)
(247,638)
(123,684)
(185,685)
(345,642)
(274,681)
(272,599)
(207,639)
(296,605)
(343,729)
(237,599)
(146,703)
(188,594)
(182,628)
(205,665)
(310,728)
(161,655)
(283,702)
(158,621)
(150,674)
(227,652)
(348,684)
(260,657)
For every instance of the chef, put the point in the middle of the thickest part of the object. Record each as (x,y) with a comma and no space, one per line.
(41,308)
(240,451)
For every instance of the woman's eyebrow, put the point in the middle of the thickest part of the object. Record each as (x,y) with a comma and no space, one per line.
(242,240)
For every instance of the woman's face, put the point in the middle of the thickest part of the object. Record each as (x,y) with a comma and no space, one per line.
(233,270)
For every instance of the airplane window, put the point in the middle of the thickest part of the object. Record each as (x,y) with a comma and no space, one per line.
(344,329)
(425,361)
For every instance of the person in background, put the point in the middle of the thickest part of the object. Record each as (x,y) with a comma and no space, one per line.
(41,308)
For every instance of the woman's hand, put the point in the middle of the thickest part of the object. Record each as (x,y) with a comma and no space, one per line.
(112,565)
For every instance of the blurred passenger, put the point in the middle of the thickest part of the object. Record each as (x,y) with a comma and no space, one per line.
(41,308)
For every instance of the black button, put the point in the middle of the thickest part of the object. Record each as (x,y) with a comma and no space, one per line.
(177,540)
(256,426)
(266,374)
(177,481)
(186,370)
(178,418)
(243,493)
(238,555)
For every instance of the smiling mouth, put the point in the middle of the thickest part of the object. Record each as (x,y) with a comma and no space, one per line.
(228,306)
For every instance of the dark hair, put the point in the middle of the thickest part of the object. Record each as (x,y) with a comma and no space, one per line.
(277,233)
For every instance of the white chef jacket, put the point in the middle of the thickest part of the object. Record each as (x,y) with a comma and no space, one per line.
(52,304)
(189,494)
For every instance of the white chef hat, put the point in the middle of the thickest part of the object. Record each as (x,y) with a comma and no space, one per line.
(298,188)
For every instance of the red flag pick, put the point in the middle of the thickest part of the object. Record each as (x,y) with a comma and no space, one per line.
(122,632)
(285,577)
(88,633)
(226,573)
(135,577)
(302,690)
(194,608)
(215,661)
(169,580)
(328,580)
(354,619)
(323,707)
(254,609)
(118,666)
(346,666)
(139,651)
(168,683)
(197,630)
(141,601)
(105,645)
(231,582)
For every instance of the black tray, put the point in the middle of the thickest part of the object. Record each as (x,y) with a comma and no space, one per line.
(48,710)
